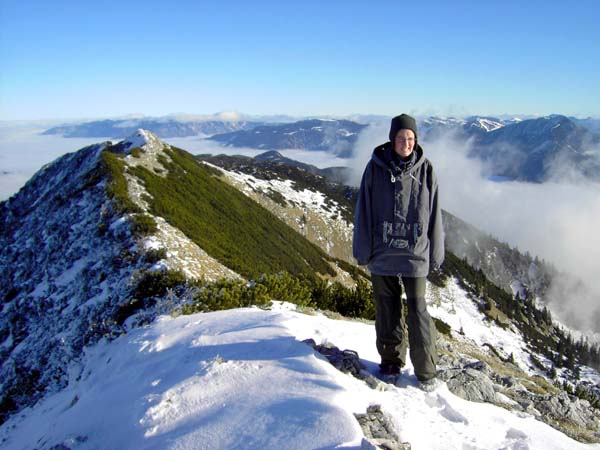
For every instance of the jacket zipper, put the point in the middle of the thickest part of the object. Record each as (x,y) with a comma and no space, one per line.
(393,178)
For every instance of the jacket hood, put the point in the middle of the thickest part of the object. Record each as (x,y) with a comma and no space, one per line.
(382,156)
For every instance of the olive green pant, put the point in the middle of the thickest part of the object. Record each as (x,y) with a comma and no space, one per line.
(392,327)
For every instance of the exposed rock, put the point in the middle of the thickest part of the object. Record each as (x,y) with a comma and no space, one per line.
(472,383)
(563,407)
(347,361)
(379,431)
(377,427)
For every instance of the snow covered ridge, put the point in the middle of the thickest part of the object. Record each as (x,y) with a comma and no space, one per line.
(143,138)
(67,263)
(199,382)
(52,176)
(469,125)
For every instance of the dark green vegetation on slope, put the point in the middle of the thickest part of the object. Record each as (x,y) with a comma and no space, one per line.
(229,226)
(116,189)
(305,291)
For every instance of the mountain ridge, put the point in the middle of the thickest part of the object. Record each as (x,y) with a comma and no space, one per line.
(537,149)
(53,259)
(86,254)
(529,149)
(164,127)
(337,136)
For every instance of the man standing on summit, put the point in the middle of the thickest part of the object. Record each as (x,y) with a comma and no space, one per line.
(398,233)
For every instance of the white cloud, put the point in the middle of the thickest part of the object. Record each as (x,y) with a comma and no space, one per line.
(557,221)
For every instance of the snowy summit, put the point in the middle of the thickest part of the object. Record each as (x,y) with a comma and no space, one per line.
(244,379)
(140,138)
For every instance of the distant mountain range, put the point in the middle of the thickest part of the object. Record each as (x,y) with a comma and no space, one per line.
(532,150)
(336,136)
(165,128)
(590,123)
(539,149)
(434,127)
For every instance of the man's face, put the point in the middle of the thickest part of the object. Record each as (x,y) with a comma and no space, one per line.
(404,143)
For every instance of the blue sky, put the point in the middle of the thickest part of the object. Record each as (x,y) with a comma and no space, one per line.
(79,59)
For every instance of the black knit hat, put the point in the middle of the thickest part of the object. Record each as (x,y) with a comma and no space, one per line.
(403,121)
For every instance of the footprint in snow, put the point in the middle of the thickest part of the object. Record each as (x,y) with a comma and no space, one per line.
(445,410)
(516,440)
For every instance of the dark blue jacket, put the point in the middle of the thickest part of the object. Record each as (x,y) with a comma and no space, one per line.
(398,222)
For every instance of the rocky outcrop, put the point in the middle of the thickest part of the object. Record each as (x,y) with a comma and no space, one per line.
(379,431)
(476,381)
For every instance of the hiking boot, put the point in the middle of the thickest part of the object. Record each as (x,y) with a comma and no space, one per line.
(429,385)
(389,369)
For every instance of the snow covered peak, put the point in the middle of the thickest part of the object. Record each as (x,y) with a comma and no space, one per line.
(141,138)
(488,124)
(151,148)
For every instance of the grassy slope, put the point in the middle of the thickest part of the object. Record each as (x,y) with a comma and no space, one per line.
(229,226)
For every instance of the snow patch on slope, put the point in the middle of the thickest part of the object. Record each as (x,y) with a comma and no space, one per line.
(152,147)
(312,200)
(461,313)
(243,379)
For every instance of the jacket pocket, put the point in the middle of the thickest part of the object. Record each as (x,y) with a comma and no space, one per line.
(393,235)
(402,235)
